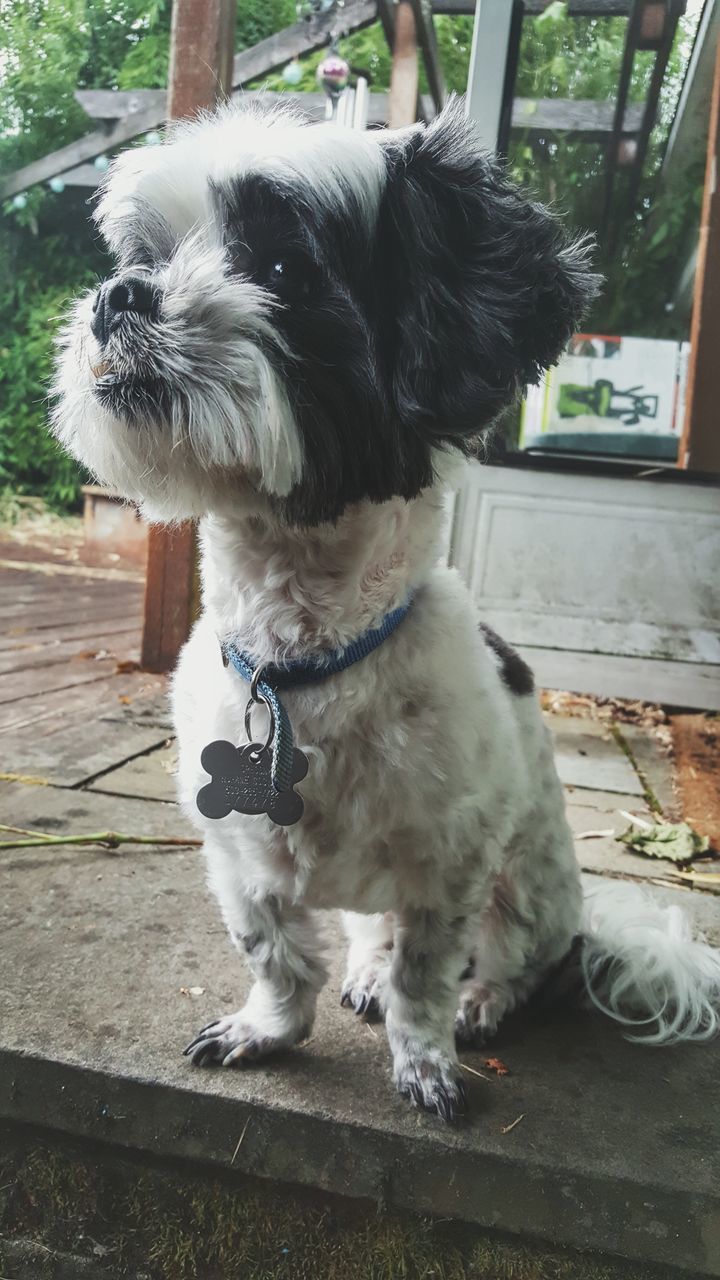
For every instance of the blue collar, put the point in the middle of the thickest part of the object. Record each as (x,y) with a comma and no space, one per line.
(267,680)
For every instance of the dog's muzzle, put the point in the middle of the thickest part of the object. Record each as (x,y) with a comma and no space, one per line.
(116,298)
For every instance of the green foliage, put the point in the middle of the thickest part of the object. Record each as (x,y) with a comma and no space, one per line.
(145,66)
(29,316)
(258,19)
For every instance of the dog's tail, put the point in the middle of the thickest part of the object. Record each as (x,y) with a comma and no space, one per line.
(642,966)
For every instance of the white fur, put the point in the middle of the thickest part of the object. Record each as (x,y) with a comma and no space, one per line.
(644,968)
(173,179)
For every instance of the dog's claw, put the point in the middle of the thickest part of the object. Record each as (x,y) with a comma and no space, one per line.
(235,1040)
(434,1089)
(363,992)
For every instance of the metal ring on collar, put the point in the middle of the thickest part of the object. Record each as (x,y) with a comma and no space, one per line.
(257,677)
(253,702)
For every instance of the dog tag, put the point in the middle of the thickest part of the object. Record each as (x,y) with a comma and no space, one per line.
(241,780)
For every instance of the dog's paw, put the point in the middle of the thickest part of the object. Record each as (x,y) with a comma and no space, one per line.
(365,990)
(434,1084)
(236,1039)
(478,1016)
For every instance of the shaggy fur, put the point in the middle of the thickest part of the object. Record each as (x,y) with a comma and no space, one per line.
(308,329)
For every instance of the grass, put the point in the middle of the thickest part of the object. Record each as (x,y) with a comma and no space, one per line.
(173,1226)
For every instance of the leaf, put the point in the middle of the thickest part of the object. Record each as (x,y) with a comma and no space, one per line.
(659,235)
(675,841)
(497,1065)
(555,12)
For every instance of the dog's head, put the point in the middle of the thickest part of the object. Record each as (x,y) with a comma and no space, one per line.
(303,316)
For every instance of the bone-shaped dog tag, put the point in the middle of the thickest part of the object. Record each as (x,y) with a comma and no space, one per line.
(242,781)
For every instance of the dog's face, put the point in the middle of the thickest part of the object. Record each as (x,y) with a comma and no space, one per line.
(302,316)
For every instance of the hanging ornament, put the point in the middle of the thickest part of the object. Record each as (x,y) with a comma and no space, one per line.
(101,163)
(293,72)
(19,201)
(57,185)
(333,74)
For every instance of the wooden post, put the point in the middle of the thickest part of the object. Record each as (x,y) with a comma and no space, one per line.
(201,63)
(402,108)
(201,55)
(700,443)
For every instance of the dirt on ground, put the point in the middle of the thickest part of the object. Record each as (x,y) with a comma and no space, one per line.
(696,739)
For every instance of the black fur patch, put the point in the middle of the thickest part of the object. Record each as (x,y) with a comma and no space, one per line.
(515,672)
(482,287)
(416,332)
(353,446)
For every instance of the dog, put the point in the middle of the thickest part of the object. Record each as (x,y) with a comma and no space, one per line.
(308,332)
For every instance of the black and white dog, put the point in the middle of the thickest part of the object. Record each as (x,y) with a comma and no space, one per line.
(307,330)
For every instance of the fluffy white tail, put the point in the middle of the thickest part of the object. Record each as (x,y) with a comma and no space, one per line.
(643,967)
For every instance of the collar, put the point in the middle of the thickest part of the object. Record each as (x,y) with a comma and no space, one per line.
(266,680)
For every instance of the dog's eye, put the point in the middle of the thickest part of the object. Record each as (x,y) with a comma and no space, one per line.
(290,279)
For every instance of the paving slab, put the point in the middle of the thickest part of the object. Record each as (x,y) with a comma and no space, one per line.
(61,811)
(608,812)
(617,1150)
(151,776)
(587,755)
(656,765)
(74,754)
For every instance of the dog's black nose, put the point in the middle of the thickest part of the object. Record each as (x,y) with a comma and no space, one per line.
(114,298)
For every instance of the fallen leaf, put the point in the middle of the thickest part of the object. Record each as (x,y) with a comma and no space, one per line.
(123,697)
(126,665)
(497,1065)
(675,841)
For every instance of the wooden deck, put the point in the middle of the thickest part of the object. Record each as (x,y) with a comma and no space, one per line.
(73,702)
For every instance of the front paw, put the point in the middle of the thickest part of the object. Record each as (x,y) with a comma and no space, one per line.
(237,1039)
(478,1016)
(365,990)
(432,1082)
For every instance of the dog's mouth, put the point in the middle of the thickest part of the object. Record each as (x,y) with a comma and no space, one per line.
(136,397)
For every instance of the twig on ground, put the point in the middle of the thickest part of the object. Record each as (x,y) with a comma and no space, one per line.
(638,822)
(107,839)
(239,1143)
(473,1072)
(507,1127)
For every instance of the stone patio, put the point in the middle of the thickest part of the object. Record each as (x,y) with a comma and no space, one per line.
(111,961)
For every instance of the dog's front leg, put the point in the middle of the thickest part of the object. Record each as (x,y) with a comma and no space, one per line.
(283,947)
(431,950)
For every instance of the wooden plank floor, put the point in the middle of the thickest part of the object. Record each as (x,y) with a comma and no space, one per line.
(73,702)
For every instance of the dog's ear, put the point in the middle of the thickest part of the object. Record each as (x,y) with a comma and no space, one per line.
(481,288)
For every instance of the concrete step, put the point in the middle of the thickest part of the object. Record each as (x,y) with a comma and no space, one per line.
(112,962)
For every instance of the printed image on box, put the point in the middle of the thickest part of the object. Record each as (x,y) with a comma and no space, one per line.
(609,395)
